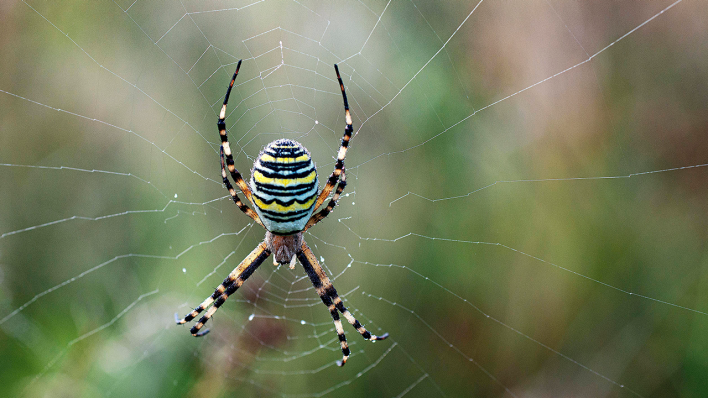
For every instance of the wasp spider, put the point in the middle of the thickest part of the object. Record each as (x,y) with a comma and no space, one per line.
(284,193)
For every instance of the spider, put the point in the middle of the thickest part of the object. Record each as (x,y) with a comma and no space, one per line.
(284,193)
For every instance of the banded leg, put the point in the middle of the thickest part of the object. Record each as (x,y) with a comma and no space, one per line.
(226,151)
(330,206)
(331,299)
(339,165)
(244,208)
(227,288)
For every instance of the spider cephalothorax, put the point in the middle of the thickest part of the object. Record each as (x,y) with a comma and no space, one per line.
(284,191)
(284,247)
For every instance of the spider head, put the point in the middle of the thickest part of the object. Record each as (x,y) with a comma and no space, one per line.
(284,247)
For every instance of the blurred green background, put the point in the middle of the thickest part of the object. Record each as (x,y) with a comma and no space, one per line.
(476,229)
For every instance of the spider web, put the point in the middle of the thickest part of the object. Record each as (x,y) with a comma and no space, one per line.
(525,211)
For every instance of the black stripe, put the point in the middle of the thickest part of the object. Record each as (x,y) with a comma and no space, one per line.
(282,202)
(344,94)
(278,175)
(285,173)
(286,214)
(325,299)
(227,281)
(283,152)
(286,233)
(285,191)
(284,166)
(332,292)
(342,337)
(316,282)
(284,220)
(231,84)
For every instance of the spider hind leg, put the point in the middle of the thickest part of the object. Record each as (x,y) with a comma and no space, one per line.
(235,279)
(328,295)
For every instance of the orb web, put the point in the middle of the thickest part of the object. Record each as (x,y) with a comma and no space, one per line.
(525,210)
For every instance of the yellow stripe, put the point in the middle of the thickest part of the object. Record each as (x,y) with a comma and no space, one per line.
(283,209)
(268,158)
(260,178)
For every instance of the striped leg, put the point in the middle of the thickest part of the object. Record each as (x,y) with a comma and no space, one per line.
(330,206)
(339,165)
(244,208)
(227,288)
(226,151)
(331,299)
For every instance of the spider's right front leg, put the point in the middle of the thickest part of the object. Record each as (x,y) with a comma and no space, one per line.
(226,288)
(338,173)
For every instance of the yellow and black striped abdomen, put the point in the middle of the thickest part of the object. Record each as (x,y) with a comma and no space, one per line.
(284,185)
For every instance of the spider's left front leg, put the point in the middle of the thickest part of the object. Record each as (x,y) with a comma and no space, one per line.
(331,299)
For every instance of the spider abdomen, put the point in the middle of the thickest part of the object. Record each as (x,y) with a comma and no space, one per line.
(284,185)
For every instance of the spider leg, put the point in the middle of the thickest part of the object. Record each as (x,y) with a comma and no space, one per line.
(227,288)
(330,206)
(226,151)
(339,165)
(244,208)
(331,299)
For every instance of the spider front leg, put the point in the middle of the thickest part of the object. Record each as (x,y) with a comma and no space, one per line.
(225,150)
(330,206)
(338,167)
(227,288)
(244,208)
(331,299)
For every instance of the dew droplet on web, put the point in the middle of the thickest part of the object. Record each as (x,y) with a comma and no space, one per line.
(250,317)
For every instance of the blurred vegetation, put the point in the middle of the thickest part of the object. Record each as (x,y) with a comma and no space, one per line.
(478,236)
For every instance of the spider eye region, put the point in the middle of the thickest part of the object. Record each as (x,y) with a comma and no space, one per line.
(284,185)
